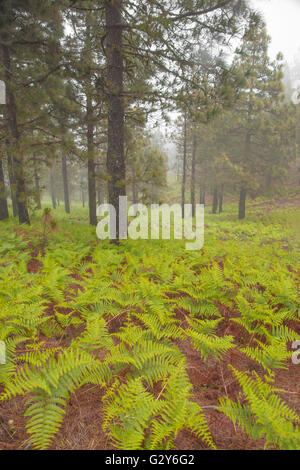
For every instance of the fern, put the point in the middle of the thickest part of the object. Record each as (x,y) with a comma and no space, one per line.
(200,334)
(266,415)
(50,388)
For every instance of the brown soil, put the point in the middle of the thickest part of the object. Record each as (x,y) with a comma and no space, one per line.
(82,426)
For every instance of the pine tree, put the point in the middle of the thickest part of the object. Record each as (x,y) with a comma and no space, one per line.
(258,121)
(29,32)
(162,38)
(84,48)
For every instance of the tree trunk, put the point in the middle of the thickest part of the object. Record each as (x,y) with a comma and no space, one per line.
(193,176)
(14,140)
(215,200)
(82,191)
(65,183)
(91,175)
(12,183)
(202,195)
(135,194)
(52,188)
(116,116)
(90,130)
(134,187)
(247,155)
(37,189)
(3,201)
(184,164)
(221,199)
(242,203)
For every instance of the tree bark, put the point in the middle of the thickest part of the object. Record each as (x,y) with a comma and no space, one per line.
(91,172)
(52,188)
(215,200)
(184,163)
(3,201)
(193,176)
(12,183)
(90,130)
(65,183)
(221,199)
(37,189)
(242,203)
(116,116)
(14,140)
(135,194)
(202,195)
(247,155)
(134,187)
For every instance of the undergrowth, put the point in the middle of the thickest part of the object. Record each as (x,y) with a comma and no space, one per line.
(118,315)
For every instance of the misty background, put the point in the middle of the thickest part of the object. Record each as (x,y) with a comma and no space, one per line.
(283,29)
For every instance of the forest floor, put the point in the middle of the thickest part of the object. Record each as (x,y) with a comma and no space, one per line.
(266,244)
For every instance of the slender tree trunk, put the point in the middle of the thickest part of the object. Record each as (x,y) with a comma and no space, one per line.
(18,157)
(193,176)
(247,155)
(215,200)
(184,164)
(90,131)
(65,183)
(116,116)
(37,184)
(202,194)
(37,189)
(52,187)
(221,199)
(134,187)
(135,193)
(178,171)
(3,201)
(12,183)
(92,192)
(242,203)
(99,184)
(82,191)
(203,184)
(91,174)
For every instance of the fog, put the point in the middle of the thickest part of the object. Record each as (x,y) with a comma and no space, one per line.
(282,19)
